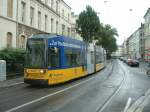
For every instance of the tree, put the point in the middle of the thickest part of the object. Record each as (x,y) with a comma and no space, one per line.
(90,28)
(88,24)
(106,38)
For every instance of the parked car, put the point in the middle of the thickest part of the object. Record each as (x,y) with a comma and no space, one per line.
(121,58)
(125,60)
(148,70)
(132,62)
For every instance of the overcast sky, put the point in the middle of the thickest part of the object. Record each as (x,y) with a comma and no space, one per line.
(125,15)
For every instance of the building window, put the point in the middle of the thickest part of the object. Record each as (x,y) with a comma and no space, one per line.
(10,8)
(45,22)
(22,41)
(52,4)
(63,29)
(39,19)
(57,6)
(63,12)
(68,31)
(9,40)
(46,1)
(57,27)
(52,24)
(23,8)
(31,16)
(68,17)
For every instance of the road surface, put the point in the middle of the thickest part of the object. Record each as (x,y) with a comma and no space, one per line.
(117,88)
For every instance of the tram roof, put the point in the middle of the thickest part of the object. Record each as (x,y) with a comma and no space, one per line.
(44,35)
(50,36)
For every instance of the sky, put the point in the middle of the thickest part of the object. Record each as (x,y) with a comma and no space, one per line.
(124,15)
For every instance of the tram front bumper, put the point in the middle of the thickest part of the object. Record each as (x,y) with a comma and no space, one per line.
(36,81)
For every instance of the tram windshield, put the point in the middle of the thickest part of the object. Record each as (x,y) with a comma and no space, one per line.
(35,53)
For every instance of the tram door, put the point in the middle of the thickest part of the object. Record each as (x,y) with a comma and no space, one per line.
(90,60)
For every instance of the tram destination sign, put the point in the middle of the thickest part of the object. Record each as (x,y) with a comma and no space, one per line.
(64,44)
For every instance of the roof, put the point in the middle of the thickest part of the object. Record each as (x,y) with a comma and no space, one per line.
(148,10)
(44,35)
(66,3)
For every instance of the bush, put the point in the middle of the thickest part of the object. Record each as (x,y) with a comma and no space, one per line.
(15,59)
(12,55)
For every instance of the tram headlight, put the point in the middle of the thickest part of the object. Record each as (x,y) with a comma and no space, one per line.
(42,71)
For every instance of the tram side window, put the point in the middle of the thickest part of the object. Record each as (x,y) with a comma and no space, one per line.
(98,57)
(73,57)
(53,57)
(92,57)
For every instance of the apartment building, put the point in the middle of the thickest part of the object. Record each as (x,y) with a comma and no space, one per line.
(19,19)
(142,41)
(147,35)
(73,26)
(124,48)
(119,52)
(133,48)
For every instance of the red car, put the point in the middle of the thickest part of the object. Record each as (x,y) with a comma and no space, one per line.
(132,62)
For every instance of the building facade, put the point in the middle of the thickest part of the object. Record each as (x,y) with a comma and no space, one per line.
(142,41)
(133,45)
(22,18)
(147,35)
(119,52)
(73,26)
(124,48)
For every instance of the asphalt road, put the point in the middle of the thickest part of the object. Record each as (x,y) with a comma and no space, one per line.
(117,88)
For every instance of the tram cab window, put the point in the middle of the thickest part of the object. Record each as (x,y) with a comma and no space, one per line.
(53,57)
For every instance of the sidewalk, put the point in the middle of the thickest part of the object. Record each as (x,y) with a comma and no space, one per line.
(141,104)
(144,65)
(11,82)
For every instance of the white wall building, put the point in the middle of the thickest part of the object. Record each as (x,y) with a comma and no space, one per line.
(73,27)
(19,19)
(119,52)
(147,35)
(124,48)
(134,45)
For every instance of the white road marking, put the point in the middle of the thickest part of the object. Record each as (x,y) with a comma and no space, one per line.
(145,102)
(147,92)
(16,83)
(44,97)
(128,104)
(13,84)
(135,105)
(139,104)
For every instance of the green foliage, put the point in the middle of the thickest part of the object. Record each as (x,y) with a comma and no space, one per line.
(90,28)
(12,55)
(107,38)
(88,24)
